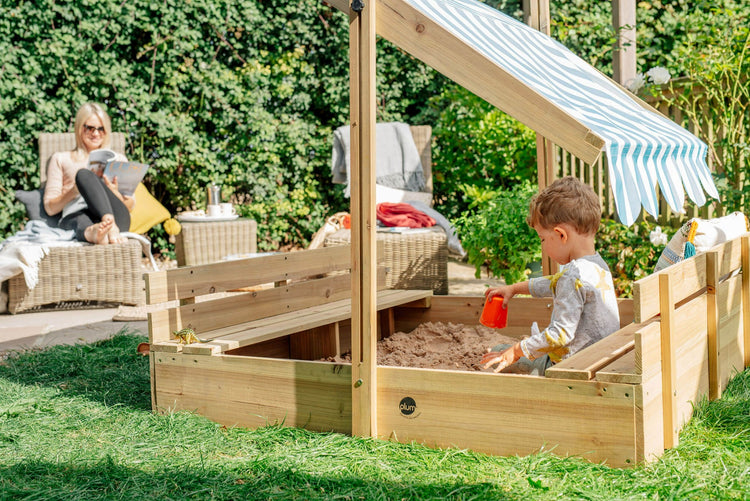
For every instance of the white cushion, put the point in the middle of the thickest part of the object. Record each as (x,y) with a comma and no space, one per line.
(395,195)
(710,232)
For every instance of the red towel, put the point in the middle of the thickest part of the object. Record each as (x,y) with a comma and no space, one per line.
(391,214)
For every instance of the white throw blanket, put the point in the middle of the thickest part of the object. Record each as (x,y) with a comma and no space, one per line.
(397,162)
(22,252)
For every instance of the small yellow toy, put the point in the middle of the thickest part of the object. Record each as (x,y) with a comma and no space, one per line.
(187,336)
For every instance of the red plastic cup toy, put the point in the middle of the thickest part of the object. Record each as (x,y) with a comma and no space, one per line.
(493,314)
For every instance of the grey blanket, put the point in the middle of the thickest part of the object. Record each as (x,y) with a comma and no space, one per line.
(397,162)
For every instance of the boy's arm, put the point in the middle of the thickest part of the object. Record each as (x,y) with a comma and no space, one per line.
(503,358)
(507,291)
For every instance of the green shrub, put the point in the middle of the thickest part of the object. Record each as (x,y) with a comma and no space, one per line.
(495,234)
(476,145)
(628,251)
(243,93)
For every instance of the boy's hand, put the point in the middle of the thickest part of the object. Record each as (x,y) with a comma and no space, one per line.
(504,291)
(503,358)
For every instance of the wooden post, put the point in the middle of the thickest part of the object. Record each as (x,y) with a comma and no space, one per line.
(712,324)
(746,299)
(364,258)
(624,66)
(536,15)
(668,359)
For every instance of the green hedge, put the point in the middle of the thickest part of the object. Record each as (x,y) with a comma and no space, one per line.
(243,93)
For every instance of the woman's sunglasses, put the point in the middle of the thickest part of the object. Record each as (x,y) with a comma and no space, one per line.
(90,129)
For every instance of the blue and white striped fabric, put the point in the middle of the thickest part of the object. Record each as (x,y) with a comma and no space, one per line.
(643,148)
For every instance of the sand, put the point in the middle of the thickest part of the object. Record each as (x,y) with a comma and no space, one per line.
(437,345)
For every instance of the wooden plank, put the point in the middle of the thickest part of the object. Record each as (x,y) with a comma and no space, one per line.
(584,364)
(206,316)
(746,299)
(405,26)
(620,370)
(507,414)
(690,275)
(362,34)
(314,344)
(649,418)
(252,392)
(191,281)
(712,324)
(690,338)
(729,299)
(647,350)
(669,371)
(284,324)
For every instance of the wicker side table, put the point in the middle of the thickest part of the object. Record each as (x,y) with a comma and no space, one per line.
(415,259)
(202,243)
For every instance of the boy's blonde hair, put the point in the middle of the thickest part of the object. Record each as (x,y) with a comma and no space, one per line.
(567,200)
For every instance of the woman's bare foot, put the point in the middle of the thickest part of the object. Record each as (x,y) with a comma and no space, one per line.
(114,231)
(98,233)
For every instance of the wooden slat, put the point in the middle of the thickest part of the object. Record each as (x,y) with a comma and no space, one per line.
(192,281)
(267,328)
(584,364)
(668,361)
(253,392)
(505,414)
(746,299)
(730,340)
(237,309)
(689,277)
(621,370)
(647,350)
(712,324)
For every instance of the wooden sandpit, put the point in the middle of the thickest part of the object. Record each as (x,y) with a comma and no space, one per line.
(621,400)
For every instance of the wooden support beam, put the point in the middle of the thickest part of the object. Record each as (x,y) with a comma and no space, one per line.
(668,361)
(536,15)
(712,324)
(364,256)
(624,65)
(746,299)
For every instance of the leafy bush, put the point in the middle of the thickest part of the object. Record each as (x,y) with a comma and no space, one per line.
(477,145)
(495,233)
(242,93)
(628,251)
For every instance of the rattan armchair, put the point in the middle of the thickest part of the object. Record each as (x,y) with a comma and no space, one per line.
(80,276)
(418,259)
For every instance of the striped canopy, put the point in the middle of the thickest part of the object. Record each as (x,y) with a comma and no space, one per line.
(541,83)
(643,147)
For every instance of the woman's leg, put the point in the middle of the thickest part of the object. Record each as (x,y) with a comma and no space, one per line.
(86,230)
(102,202)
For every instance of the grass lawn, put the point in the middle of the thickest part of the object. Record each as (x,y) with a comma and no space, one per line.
(76,423)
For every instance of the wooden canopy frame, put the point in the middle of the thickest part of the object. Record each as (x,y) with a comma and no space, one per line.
(409,29)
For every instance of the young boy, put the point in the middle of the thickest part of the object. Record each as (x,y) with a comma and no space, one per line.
(566,216)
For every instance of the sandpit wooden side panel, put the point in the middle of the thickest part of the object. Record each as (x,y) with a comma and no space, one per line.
(690,340)
(508,414)
(253,392)
(522,312)
(730,338)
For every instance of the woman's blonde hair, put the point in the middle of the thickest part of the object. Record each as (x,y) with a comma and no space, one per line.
(85,112)
(567,200)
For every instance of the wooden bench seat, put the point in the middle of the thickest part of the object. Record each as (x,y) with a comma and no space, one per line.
(310,299)
(265,329)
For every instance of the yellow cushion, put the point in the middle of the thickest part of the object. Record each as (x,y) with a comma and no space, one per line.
(147,213)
